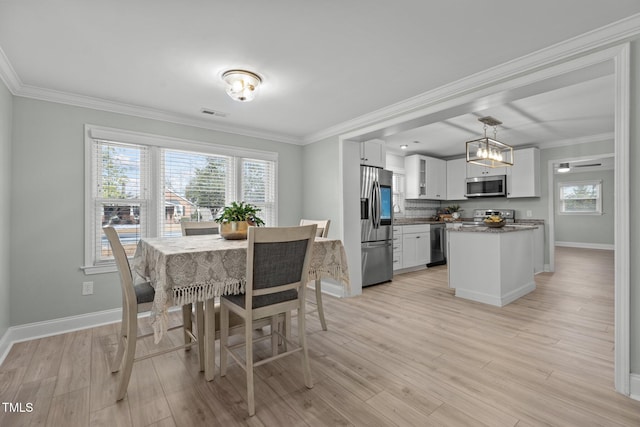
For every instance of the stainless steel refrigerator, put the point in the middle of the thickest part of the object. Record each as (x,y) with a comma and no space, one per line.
(376,225)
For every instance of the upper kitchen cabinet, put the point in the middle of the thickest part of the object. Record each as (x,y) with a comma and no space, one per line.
(456,179)
(474,170)
(373,153)
(426,177)
(523,178)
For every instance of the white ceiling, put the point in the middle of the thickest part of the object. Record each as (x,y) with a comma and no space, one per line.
(323,63)
(569,113)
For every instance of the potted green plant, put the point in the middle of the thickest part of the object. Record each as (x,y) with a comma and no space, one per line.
(236,218)
(454,210)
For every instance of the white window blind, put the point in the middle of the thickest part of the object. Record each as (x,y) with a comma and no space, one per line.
(196,186)
(119,195)
(258,187)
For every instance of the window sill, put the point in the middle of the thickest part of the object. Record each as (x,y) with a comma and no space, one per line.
(99,269)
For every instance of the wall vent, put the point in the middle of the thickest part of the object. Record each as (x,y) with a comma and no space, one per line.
(212,112)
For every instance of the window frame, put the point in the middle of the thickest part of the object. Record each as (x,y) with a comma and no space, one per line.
(559,200)
(155,143)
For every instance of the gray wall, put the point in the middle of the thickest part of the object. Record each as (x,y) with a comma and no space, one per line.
(47,204)
(321,178)
(596,229)
(6,120)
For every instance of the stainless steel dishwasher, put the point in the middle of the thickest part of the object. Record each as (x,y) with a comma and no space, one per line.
(438,237)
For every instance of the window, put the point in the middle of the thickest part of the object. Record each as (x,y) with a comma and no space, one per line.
(195,187)
(258,187)
(145,185)
(583,197)
(398,193)
(119,194)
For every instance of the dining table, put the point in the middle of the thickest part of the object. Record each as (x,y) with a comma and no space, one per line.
(198,269)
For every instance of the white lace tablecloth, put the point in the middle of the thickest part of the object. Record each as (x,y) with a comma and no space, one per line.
(189,269)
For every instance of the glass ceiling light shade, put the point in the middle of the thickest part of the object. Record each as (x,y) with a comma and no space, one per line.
(242,85)
(487,151)
(563,168)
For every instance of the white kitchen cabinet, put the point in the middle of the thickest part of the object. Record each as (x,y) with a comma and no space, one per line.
(373,153)
(416,249)
(491,267)
(397,247)
(456,176)
(426,177)
(523,178)
(474,170)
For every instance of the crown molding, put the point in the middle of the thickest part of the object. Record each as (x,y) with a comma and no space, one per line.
(146,113)
(609,136)
(8,74)
(600,38)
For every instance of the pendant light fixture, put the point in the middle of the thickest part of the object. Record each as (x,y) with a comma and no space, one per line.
(487,151)
(242,85)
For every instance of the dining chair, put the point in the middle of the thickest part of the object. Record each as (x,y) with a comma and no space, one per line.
(277,269)
(323,231)
(196,228)
(200,228)
(323,226)
(138,298)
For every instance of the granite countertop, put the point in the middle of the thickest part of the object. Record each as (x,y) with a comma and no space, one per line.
(530,221)
(412,221)
(484,229)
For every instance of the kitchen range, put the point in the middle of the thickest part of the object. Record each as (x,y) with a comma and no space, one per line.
(479,215)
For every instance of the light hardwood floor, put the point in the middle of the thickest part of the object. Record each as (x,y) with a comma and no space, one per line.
(404,353)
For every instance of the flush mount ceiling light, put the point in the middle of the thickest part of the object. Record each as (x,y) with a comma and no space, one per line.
(563,168)
(242,85)
(489,151)
(404,146)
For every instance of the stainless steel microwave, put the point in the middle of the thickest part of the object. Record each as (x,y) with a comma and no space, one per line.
(487,186)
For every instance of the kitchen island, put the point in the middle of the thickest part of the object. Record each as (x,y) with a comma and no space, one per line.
(491,265)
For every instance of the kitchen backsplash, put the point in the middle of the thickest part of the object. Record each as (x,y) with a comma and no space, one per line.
(416,208)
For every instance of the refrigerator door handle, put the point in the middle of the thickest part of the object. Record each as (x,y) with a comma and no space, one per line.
(374,205)
(378,202)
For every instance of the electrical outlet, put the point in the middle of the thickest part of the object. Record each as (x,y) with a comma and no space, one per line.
(529,214)
(87,288)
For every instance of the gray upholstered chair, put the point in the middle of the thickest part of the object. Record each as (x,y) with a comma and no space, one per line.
(277,269)
(196,228)
(137,298)
(323,231)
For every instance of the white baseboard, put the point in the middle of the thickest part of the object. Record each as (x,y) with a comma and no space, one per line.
(48,328)
(333,288)
(603,246)
(498,301)
(634,386)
